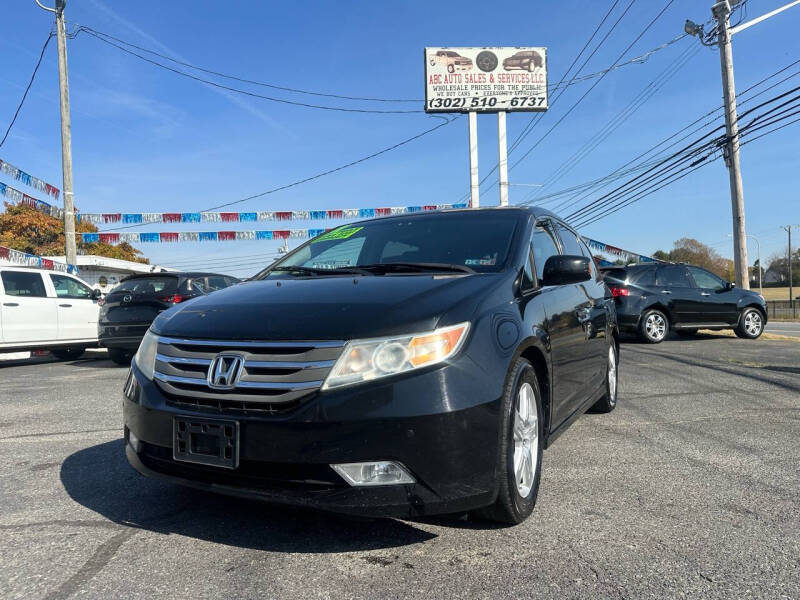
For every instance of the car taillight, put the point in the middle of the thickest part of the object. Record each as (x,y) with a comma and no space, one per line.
(620,291)
(174,299)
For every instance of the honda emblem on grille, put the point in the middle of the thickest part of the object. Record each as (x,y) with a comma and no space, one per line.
(224,371)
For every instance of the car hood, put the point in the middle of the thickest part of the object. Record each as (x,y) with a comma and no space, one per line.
(322,308)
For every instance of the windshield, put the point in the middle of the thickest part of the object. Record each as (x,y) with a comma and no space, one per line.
(476,241)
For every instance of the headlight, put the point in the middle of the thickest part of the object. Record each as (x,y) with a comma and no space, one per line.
(365,360)
(146,355)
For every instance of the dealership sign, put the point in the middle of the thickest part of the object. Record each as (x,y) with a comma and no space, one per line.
(485,79)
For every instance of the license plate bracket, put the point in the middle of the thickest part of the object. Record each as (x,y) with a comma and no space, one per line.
(211,442)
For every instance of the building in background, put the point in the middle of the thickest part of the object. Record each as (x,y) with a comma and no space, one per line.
(104,273)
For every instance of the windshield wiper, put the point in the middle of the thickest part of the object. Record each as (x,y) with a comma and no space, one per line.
(321,271)
(416,267)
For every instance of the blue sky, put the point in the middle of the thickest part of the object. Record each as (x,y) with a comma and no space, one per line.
(146,140)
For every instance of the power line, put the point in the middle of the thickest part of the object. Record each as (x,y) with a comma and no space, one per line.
(27,89)
(241,91)
(446,121)
(101,34)
(581,191)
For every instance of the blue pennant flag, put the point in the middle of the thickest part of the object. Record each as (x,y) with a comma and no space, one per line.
(263,235)
(90,238)
(132,217)
(248,216)
(190,217)
(207,236)
(149,237)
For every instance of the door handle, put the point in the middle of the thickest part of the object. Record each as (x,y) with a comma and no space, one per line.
(704,294)
(665,292)
(65,305)
(10,304)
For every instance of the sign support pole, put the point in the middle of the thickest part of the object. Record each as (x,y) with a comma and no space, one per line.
(474,184)
(502,155)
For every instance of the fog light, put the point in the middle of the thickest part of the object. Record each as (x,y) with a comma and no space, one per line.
(373,473)
(134,441)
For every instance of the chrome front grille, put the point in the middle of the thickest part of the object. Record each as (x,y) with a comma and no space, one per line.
(274,377)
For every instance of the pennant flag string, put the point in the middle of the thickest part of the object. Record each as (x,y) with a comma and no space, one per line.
(29,180)
(14,195)
(31,260)
(241,217)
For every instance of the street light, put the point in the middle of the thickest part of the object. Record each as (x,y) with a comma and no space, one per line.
(758,247)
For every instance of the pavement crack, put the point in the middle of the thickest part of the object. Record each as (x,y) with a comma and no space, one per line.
(63,523)
(96,563)
(52,433)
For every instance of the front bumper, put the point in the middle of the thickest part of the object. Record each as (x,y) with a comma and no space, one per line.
(450,447)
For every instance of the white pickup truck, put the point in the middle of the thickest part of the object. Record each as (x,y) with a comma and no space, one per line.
(46,310)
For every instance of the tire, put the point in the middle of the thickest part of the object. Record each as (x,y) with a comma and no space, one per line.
(67,353)
(450,68)
(486,61)
(120,357)
(654,326)
(531,66)
(609,400)
(751,324)
(686,332)
(517,495)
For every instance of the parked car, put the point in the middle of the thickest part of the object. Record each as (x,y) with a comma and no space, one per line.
(451,60)
(46,310)
(652,299)
(525,59)
(407,365)
(128,310)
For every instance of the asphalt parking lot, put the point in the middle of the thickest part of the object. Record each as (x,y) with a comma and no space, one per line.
(691,487)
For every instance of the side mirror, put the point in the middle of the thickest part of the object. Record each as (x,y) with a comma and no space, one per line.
(96,294)
(729,285)
(564,269)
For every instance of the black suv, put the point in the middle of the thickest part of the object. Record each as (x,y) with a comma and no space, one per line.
(402,366)
(652,299)
(128,310)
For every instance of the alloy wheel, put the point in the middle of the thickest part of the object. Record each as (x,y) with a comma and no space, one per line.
(612,376)
(526,439)
(752,323)
(656,326)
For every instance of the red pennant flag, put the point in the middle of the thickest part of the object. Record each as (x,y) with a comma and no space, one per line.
(171,217)
(282,234)
(3,250)
(112,217)
(383,212)
(226,236)
(335,214)
(229,216)
(109,238)
(168,236)
(283,216)
(430,207)
(47,263)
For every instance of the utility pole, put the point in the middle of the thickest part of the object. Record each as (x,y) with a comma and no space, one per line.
(66,131)
(788,229)
(721,12)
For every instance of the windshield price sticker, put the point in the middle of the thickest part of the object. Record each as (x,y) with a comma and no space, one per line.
(486,79)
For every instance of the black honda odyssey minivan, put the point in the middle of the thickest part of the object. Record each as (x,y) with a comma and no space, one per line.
(401,366)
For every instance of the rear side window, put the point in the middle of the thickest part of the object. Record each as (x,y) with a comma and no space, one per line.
(569,242)
(645,277)
(67,287)
(217,282)
(149,285)
(544,246)
(673,276)
(19,283)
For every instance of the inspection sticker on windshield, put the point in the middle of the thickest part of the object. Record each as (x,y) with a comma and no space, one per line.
(342,233)
(481,262)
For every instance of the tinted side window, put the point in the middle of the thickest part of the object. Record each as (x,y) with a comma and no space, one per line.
(217,282)
(706,280)
(569,243)
(673,276)
(19,283)
(67,287)
(544,246)
(588,254)
(645,277)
